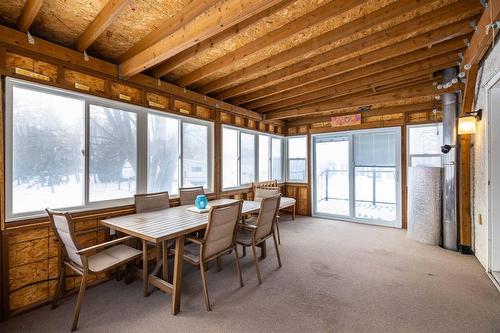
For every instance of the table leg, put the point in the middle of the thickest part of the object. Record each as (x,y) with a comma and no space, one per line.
(165,259)
(145,268)
(177,279)
(263,249)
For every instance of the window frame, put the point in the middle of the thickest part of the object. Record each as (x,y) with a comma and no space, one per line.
(141,144)
(409,156)
(297,181)
(256,135)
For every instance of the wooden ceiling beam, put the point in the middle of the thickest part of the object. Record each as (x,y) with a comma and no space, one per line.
(320,14)
(374,62)
(376,112)
(28,14)
(183,57)
(426,22)
(100,23)
(483,37)
(406,72)
(174,23)
(16,41)
(217,19)
(356,100)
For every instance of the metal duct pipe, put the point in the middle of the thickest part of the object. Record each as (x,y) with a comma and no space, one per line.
(450,180)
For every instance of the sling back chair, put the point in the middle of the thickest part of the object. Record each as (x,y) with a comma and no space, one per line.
(187,195)
(84,261)
(256,231)
(219,239)
(268,192)
(150,202)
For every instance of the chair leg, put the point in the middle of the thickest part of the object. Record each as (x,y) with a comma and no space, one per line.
(205,287)
(244,254)
(219,264)
(255,259)
(81,293)
(278,230)
(277,250)
(238,264)
(60,284)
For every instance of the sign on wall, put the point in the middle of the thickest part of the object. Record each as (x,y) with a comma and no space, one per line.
(347,120)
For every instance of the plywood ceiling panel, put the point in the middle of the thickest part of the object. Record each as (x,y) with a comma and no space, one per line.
(137,20)
(63,21)
(10,11)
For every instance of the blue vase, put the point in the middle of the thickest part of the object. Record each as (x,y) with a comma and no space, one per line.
(201,201)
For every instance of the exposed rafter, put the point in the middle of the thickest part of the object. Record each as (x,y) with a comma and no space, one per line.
(183,57)
(217,19)
(356,100)
(422,23)
(400,74)
(28,14)
(101,22)
(431,21)
(185,15)
(483,37)
(318,15)
(341,73)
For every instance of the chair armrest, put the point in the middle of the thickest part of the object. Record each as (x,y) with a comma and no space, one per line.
(103,245)
(195,240)
(250,227)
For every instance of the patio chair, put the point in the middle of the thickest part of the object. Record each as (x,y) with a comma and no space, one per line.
(149,202)
(84,261)
(219,239)
(187,195)
(257,231)
(268,192)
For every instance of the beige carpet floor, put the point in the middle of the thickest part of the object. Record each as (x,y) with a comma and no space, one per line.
(336,277)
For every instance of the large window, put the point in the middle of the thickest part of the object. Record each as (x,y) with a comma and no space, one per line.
(238,158)
(47,145)
(264,162)
(248,156)
(113,153)
(163,153)
(297,159)
(424,145)
(230,158)
(195,155)
(67,150)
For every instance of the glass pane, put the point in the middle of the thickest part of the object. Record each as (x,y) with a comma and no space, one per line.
(297,147)
(195,155)
(163,154)
(276,160)
(375,193)
(332,177)
(375,149)
(48,140)
(247,158)
(263,157)
(425,139)
(426,161)
(229,158)
(297,169)
(113,153)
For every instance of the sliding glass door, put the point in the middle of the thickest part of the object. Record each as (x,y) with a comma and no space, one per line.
(356,176)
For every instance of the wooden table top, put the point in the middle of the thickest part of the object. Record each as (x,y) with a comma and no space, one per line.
(170,223)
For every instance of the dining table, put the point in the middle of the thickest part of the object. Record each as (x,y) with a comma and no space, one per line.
(171,224)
